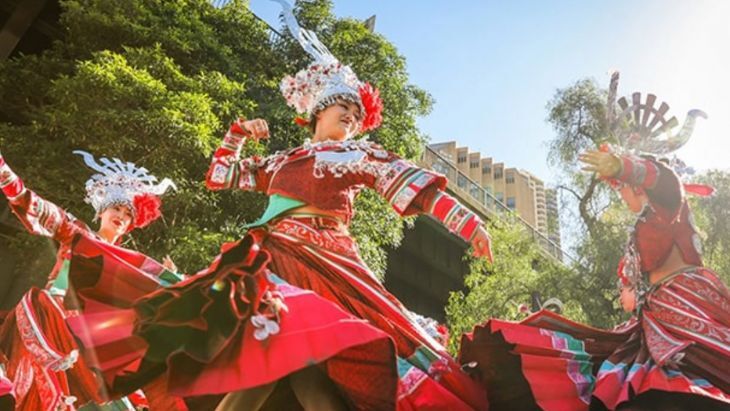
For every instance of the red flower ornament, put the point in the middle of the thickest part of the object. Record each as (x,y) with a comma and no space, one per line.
(373,106)
(147,208)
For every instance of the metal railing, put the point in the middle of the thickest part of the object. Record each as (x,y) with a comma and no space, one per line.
(484,202)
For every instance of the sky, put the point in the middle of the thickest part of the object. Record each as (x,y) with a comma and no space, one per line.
(493,66)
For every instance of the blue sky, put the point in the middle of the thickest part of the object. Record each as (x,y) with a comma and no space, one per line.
(492,66)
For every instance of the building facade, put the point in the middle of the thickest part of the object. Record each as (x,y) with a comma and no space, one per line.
(506,188)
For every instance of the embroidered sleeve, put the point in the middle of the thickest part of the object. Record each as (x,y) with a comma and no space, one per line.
(38,215)
(228,171)
(638,172)
(661,184)
(453,215)
(400,182)
(413,190)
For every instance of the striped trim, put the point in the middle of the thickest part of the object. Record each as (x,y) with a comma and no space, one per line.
(345,267)
(33,338)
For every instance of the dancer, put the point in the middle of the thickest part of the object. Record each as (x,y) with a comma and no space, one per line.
(673,353)
(303,239)
(43,356)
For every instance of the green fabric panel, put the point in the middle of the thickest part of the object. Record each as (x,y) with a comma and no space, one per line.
(278,205)
(61,281)
(169,278)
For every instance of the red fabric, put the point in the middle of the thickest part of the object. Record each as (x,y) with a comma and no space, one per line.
(667,223)
(444,204)
(344,279)
(200,332)
(659,231)
(291,174)
(470,227)
(701,190)
(529,363)
(11,184)
(34,392)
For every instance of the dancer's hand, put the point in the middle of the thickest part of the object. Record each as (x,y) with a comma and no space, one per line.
(482,244)
(628,299)
(607,165)
(257,128)
(168,264)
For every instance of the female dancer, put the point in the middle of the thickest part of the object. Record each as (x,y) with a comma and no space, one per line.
(673,353)
(304,235)
(43,357)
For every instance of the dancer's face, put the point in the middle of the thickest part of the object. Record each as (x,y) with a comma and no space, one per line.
(116,219)
(338,122)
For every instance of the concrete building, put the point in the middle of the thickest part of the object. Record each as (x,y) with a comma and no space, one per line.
(553,216)
(505,188)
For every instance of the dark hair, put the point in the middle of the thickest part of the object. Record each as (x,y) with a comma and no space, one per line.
(312,125)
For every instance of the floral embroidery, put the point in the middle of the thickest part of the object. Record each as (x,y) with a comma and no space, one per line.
(264,327)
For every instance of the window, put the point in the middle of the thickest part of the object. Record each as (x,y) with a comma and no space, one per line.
(461,181)
(474,164)
(497,173)
(500,197)
(440,167)
(486,169)
(462,158)
(475,191)
(509,178)
(511,204)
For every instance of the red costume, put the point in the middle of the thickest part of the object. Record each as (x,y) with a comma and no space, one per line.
(209,314)
(317,253)
(678,343)
(44,362)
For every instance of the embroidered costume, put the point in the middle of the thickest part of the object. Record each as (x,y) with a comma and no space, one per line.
(314,253)
(86,291)
(673,352)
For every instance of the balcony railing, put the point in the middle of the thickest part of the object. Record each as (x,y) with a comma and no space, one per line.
(484,202)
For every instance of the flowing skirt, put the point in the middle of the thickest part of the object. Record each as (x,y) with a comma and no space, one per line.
(236,326)
(676,352)
(319,255)
(43,361)
(47,362)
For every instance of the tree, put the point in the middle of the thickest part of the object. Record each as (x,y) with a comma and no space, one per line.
(157,83)
(587,287)
(712,216)
(520,271)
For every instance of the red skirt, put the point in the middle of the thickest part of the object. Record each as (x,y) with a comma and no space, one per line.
(210,334)
(676,352)
(319,255)
(43,361)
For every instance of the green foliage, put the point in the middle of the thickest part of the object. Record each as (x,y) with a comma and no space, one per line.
(157,82)
(499,290)
(712,216)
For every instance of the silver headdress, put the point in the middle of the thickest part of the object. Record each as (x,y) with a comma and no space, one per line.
(641,128)
(118,182)
(326,79)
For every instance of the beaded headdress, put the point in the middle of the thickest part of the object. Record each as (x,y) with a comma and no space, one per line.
(640,128)
(325,80)
(123,183)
